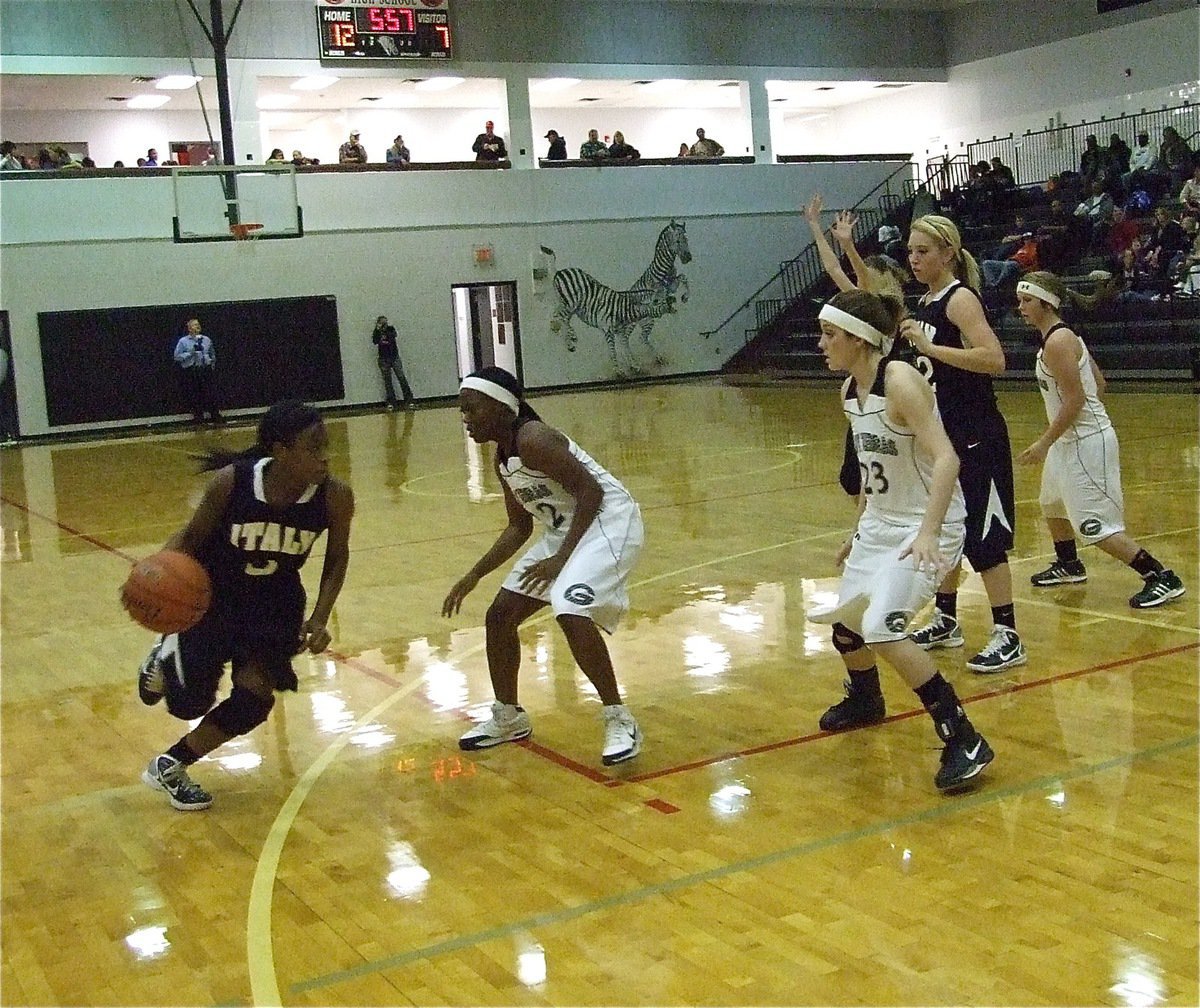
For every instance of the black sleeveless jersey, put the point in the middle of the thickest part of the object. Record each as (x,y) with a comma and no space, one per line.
(255,554)
(965,399)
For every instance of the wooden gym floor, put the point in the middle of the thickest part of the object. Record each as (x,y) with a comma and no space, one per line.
(353,856)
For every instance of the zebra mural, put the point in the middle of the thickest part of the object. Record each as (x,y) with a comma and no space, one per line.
(616,312)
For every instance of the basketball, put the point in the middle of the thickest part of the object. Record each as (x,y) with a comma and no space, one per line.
(167,592)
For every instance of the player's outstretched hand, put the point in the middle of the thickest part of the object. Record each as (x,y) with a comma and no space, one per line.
(454,600)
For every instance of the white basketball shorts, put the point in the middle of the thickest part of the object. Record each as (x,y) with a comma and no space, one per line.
(1081,482)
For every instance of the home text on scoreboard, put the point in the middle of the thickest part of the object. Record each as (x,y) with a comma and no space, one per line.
(384,29)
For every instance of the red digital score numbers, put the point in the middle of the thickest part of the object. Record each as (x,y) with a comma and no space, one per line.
(363,32)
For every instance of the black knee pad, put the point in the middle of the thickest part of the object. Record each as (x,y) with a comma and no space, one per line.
(845,640)
(242,711)
(984,559)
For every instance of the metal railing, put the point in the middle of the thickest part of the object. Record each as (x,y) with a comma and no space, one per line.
(798,275)
(1035,156)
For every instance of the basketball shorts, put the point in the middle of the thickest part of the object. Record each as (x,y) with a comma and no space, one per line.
(593,582)
(986,476)
(1081,482)
(194,661)
(894,589)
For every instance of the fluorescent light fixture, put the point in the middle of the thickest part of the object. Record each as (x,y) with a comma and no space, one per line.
(276,101)
(314,83)
(556,83)
(439,83)
(176,82)
(810,118)
(148,101)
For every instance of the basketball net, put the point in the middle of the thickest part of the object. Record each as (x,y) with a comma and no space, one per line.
(245,234)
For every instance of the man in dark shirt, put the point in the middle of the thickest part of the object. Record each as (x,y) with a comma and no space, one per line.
(558,147)
(488,146)
(386,342)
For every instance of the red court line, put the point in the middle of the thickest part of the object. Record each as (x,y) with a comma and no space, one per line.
(72,531)
(787,743)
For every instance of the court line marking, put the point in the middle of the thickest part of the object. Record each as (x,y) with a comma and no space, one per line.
(950,806)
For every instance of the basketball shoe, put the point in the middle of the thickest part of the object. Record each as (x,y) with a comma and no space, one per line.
(1060,572)
(1159,588)
(856,710)
(940,632)
(622,736)
(1003,650)
(151,684)
(962,761)
(166,773)
(508,723)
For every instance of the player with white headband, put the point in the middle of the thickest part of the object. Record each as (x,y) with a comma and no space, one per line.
(591,535)
(1081,469)
(910,529)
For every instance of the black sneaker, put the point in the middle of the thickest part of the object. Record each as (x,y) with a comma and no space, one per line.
(1159,588)
(1060,572)
(961,762)
(1003,650)
(151,684)
(165,773)
(941,631)
(856,710)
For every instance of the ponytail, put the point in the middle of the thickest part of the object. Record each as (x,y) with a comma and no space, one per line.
(281,424)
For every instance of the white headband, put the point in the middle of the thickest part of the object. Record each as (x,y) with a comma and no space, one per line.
(492,391)
(853,325)
(1028,287)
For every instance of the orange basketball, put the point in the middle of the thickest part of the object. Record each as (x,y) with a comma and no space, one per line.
(167,592)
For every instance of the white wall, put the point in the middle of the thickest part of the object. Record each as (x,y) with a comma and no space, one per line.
(395,243)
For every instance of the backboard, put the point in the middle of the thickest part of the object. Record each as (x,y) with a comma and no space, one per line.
(210,200)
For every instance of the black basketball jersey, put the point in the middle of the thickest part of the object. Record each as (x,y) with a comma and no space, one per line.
(965,399)
(255,554)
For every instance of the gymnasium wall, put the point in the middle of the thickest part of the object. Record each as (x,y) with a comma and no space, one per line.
(394,243)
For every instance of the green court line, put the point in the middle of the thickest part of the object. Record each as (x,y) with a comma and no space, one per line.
(950,806)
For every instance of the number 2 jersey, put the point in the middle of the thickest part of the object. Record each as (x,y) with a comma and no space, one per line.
(896,478)
(255,554)
(548,501)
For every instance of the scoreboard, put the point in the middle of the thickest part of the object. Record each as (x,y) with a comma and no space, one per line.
(384,29)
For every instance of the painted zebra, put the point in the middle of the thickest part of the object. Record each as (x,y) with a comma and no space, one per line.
(660,274)
(613,312)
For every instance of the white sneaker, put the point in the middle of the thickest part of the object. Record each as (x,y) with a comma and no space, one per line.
(508,723)
(622,736)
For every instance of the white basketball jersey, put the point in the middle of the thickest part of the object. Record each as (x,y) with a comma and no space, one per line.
(1093,417)
(896,479)
(548,502)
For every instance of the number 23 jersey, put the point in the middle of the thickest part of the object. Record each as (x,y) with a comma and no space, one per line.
(896,478)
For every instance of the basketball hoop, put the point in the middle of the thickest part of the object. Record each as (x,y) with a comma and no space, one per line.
(244,232)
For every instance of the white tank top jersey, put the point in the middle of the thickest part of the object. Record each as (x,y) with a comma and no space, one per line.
(548,502)
(1093,417)
(895,478)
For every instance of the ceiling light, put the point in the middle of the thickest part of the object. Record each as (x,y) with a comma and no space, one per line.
(176,82)
(276,101)
(147,101)
(556,83)
(439,83)
(315,83)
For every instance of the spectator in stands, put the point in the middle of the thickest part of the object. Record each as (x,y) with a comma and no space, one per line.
(1121,235)
(684,150)
(1174,157)
(1189,285)
(980,195)
(1091,162)
(1141,161)
(276,156)
(488,146)
(1167,243)
(1025,258)
(593,147)
(1189,195)
(86,162)
(1116,162)
(1002,174)
(891,241)
(1097,210)
(299,159)
(8,157)
(151,159)
(352,152)
(141,162)
(703,147)
(558,147)
(118,164)
(620,149)
(398,153)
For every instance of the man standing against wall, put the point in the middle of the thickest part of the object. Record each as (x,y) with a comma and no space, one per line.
(385,340)
(197,360)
